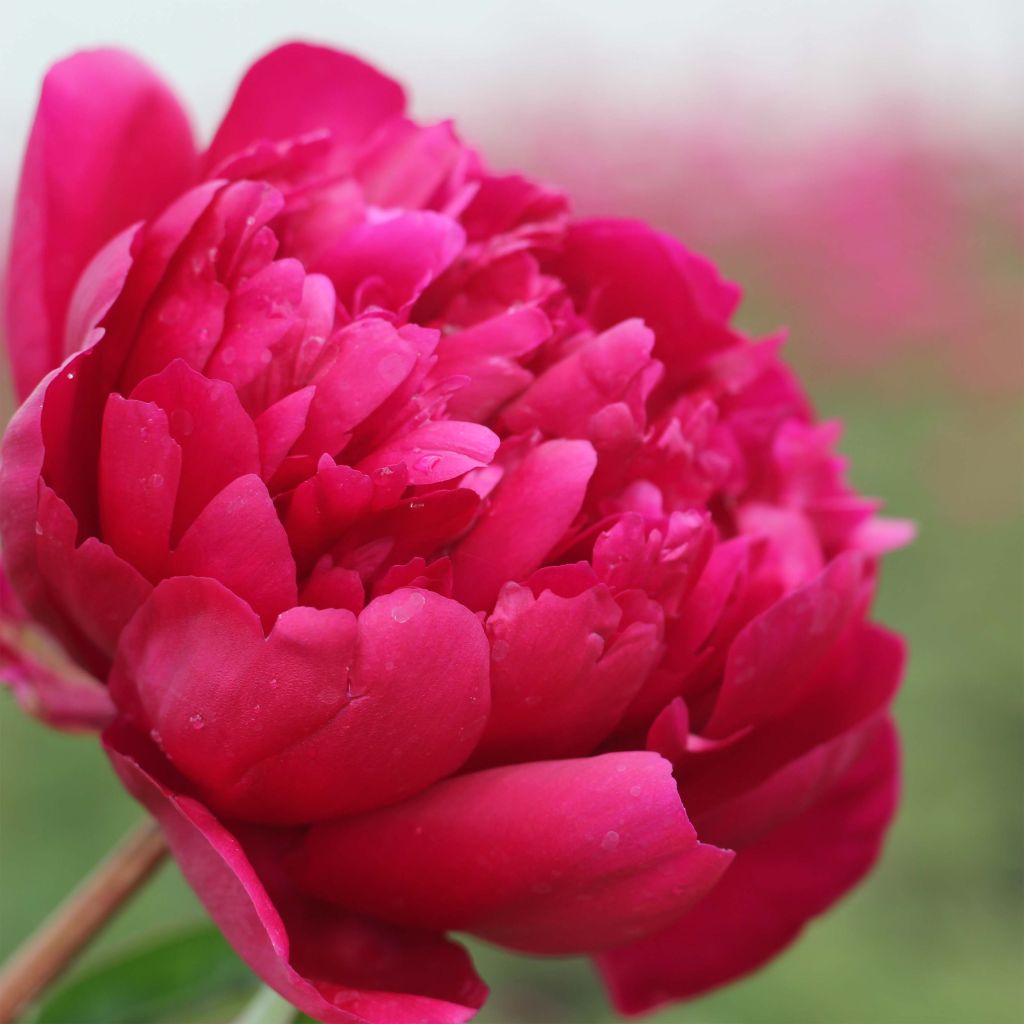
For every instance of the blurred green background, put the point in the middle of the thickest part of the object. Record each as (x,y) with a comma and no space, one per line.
(936,935)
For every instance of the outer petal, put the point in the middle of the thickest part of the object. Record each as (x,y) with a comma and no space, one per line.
(299,88)
(110,145)
(772,889)
(325,716)
(45,682)
(338,969)
(859,684)
(774,660)
(549,857)
(617,269)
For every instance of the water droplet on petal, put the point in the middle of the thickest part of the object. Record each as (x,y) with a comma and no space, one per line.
(197,721)
(610,840)
(70,375)
(499,650)
(635,790)
(156,481)
(329,696)
(425,463)
(404,611)
(227,356)
(273,683)
(39,528)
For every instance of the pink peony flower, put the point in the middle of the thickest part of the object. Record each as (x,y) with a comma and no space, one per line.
(432,561)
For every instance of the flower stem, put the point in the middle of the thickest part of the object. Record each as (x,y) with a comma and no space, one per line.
(267,1007)
(66,932)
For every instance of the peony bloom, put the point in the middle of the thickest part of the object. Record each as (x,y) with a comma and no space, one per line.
(432,561)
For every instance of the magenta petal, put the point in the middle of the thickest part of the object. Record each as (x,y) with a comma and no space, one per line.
(109,145)
(436,451)
(21,463)
(98,590)
(773,661)
(316,959)
(238,540)
(388,261)
(529,513)
(97,288)
(548,857)
(290,727)
(218,440)
(858,684)
(46,683)
(617,269)
(561,673)
(770,892)
(299,88)
(140,464)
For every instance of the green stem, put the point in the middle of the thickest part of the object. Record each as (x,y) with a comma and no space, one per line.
(267,1007)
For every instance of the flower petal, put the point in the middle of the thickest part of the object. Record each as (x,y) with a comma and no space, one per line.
(327,715)
(773,888)
(109,145)
(547,857)
(529,513)
(337,968)
(299,88)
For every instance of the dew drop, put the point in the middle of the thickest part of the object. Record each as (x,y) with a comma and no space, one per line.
(227,356)
(197,721)
(273,683)
(250,221)
(499,650)
(415,505)
(265,357)
(635,790)
(156,481)
(70,375)
(329,696)
(610,840)
(39,528)
(409,607)
(425,463)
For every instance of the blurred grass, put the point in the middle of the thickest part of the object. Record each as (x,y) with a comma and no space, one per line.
(936,935)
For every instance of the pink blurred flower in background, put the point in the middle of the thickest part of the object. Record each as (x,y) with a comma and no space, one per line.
(875,239)
(433,561)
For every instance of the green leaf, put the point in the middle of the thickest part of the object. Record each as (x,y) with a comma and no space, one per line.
(191,977)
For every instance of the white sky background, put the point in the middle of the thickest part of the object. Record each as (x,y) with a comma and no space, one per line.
(486,62)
